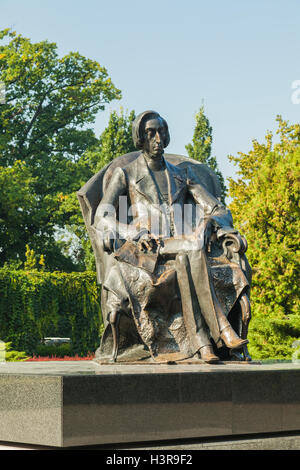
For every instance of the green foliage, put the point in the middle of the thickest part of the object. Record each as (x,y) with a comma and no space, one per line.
(14,356)
(30,262)
(17,202)
(115,140)
(50,101)
(201,147)
(35,305)
(265,208)
(57,350)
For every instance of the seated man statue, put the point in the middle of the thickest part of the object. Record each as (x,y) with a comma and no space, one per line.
(175,280)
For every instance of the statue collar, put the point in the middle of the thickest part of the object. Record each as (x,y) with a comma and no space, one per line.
(146,185)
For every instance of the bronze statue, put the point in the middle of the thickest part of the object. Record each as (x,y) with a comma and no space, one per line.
(174,275)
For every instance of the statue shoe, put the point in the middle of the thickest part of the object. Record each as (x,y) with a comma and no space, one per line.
(231,339)
(207,355)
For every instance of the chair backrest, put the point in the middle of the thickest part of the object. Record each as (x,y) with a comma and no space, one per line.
(92,192)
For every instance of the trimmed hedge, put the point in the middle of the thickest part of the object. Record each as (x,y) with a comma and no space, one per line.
(34,305)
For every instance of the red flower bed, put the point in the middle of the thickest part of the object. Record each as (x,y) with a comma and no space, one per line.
(89,357)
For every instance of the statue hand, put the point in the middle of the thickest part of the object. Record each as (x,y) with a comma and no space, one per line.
(148,242)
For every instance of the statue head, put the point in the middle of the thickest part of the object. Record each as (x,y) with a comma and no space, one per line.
(150,133)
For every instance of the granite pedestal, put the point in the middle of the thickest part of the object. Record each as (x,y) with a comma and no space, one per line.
(76,403)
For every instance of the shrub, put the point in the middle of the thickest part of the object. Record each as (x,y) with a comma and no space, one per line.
(59,350)
(14,356)
(265,208)
(34,305)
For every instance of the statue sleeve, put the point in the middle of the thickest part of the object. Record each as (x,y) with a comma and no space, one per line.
(107,216)
(209,205)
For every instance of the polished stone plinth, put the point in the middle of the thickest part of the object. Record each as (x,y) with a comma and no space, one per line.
(82,403)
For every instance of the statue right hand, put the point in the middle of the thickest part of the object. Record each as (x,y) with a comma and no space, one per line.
(148,241)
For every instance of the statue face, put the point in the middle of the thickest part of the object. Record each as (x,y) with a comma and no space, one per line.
(154,136)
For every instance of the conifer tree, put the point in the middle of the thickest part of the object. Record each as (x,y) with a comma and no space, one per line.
(201,146)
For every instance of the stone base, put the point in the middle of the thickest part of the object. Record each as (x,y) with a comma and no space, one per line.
(82,403)
(281,441)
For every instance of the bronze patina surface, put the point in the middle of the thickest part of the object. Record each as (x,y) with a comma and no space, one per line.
(175,286)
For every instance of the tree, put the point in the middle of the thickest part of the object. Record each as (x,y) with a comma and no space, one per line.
(115,140)
(16,203)
(265,208)
(49,102)
(201,147)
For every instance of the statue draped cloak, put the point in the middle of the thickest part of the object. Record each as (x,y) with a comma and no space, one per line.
(161,295)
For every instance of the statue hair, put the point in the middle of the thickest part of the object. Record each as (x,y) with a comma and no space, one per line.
(138,127)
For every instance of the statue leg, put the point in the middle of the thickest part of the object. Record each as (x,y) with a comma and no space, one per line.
(193,320)
(227,333)
(220,328)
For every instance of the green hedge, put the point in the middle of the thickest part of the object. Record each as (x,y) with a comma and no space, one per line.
(35,304)
(274,338)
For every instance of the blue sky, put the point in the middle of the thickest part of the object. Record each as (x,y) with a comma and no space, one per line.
(237,57)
